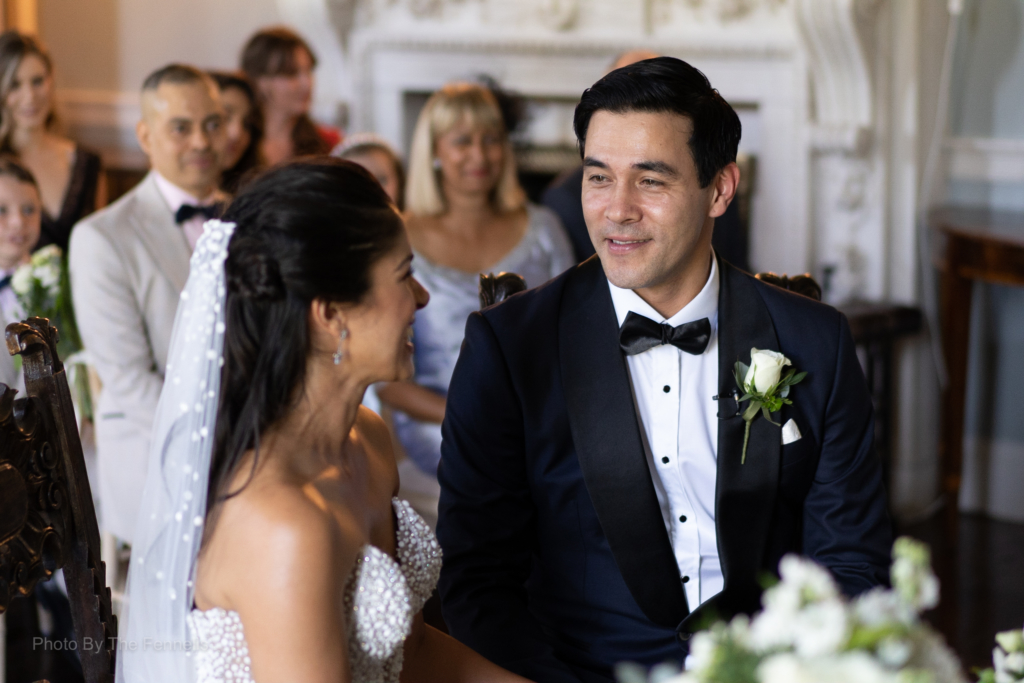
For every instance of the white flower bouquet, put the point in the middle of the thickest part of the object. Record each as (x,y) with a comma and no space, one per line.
(1007,659)
(809,633)
(37,283)
(43,289)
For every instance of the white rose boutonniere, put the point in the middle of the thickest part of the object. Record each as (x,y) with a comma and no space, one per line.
(765,383)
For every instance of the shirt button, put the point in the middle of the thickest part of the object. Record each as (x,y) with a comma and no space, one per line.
(666,388)
(682,518)
(686,579)
(665,460)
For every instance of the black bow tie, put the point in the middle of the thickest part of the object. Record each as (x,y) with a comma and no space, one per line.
(5,281)
(639,333)
(187,211)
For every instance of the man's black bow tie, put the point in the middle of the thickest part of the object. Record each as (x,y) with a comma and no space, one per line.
(5,281)
(639,333)
(186,211)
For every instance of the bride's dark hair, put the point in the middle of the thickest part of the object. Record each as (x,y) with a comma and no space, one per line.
(309,229)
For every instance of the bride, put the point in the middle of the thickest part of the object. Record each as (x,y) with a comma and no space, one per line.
(270,546)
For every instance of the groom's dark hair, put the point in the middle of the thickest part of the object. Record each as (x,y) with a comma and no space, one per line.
(667,84)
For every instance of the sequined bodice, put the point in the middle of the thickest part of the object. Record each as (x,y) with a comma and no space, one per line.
(381,597)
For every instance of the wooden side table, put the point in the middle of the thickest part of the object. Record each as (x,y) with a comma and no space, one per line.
(876,327)
(982,245)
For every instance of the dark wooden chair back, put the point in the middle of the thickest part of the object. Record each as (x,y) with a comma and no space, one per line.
(47,519)
(496,288)
(799,284)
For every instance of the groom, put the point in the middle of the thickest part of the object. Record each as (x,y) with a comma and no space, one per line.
(596,504)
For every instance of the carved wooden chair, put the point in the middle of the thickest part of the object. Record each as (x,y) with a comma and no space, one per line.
(47,519)
(497,288)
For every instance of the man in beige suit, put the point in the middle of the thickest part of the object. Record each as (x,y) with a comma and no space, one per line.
(129,263)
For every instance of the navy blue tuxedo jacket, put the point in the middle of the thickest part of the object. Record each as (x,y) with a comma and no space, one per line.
(557,563)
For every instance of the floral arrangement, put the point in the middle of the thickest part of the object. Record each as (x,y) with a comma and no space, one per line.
(43,289)
(809,633)
(37,283)
(1007,659)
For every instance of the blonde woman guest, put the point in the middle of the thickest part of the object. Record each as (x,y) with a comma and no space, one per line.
(466,214)
(70,180)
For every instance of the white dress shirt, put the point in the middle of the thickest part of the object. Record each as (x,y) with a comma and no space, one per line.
(176,198)
(673,391)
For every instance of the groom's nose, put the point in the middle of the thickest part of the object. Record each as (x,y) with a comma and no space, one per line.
(622,205)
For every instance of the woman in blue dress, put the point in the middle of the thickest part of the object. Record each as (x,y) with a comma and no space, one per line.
(466,214)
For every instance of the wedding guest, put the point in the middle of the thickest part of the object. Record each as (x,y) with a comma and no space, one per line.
(373,153)
(128,265)
(286,556)
(280,64)
(466,214)
(243,128)
(20,217)
(69,176)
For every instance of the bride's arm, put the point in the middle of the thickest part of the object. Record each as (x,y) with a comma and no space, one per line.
(434,656)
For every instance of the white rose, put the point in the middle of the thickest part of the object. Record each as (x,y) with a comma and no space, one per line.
(22,280)
(48,275)
(765,369)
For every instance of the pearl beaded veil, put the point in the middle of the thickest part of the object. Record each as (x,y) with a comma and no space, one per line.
(155,645)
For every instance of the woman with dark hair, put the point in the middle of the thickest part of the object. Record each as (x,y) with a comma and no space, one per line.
(280,64)
(270,540)
(243,128)
(69,176)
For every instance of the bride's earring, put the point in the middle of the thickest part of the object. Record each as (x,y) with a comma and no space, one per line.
(339,353)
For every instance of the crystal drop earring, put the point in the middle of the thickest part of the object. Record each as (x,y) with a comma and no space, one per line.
(339,353)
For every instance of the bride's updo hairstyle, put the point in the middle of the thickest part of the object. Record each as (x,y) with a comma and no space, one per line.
(309,229)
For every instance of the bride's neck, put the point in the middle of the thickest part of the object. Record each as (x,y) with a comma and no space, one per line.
(318,426)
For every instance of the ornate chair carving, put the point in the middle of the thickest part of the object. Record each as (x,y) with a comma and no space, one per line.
(798,284)
(496,288)
(47,520)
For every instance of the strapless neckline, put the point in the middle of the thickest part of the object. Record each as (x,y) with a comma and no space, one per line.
(380,599)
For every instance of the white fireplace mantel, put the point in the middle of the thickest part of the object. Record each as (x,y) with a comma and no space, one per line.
(796,70)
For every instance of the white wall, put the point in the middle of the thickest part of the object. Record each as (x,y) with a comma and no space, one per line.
(104,49)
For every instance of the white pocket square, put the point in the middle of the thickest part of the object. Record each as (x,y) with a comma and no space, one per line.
(790,432)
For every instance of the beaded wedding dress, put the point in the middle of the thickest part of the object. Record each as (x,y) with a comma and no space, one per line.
(381,597)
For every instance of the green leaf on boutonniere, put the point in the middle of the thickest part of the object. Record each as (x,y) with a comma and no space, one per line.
(772,369)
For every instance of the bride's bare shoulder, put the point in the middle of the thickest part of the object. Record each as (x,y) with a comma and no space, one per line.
(274,537)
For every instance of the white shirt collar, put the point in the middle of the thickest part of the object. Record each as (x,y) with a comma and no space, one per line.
(175,196)
(704,305)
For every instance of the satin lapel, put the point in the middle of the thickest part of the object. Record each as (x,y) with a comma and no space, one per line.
(745,493)
(606,434)
(162,237)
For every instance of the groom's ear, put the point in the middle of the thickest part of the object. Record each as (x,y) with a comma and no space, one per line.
(725,185)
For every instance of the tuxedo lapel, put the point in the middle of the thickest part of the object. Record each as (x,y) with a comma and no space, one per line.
(745,493)
(162,237)
(606,434)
